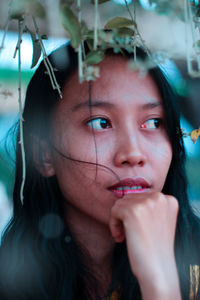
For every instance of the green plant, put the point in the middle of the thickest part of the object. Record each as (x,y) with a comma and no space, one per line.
(119,33)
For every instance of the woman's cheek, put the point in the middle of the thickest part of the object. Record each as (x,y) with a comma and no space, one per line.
(158,146)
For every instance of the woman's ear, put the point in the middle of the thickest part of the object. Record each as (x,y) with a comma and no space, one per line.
(43,160)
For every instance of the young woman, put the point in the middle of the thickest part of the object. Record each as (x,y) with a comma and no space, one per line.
(105,213)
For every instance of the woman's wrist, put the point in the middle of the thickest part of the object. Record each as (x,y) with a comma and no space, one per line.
(163,285)
(157,291)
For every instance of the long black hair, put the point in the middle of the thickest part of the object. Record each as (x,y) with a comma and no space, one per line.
(39,258)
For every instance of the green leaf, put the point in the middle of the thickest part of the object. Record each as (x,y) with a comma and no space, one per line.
(35,8)
(36,48)
(119,22)
(71,24)
(84,30)
(90,33)
(124,32)
(17,9)
(90,43)
(20,7)
(99,1)
(94,57)
(67,2)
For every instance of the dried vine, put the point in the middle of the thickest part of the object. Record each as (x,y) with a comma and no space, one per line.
(47,63)
(21,141)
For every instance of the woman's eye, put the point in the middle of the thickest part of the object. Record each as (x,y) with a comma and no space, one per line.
(152,123)
(99,123)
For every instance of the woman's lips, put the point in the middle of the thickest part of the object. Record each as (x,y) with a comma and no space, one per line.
(126,186)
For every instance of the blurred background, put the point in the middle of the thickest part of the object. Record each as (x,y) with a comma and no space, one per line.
(163,31)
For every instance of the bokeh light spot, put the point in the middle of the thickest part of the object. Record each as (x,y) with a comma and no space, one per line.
(51,226)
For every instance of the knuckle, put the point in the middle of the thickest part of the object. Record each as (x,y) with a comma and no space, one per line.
(173,202)
(137,211)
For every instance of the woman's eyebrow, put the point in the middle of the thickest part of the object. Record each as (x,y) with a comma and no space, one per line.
(146,106)
(151,105)
(97,103)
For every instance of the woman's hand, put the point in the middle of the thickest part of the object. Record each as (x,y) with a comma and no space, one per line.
(148,223)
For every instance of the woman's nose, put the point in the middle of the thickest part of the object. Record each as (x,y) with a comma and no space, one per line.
(130,153)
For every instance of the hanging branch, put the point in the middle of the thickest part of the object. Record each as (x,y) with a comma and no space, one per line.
(186,37)
(47,63)
(133,18)
(21,25)
(95,25)
(194,36)
(80,64)
(80,60)
(21,141)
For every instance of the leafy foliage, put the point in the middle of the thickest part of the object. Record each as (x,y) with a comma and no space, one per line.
(71,24)
(119,22)
(18,8)
(94,57)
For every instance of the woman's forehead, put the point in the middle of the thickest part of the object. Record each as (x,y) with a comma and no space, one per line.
(116,80)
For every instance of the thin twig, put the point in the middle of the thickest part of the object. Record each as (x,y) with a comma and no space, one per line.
(83,48)
(193,36)
(95,25)
(79,11)
(80,60)
(135,54)
(21,141)
(80,64)
(4,34)
(186,37)
(134,10)
(133,18)
(129,11)
(21,29)
(47,63)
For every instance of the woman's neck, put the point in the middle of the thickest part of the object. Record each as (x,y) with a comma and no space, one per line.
(93,237)
(96,244)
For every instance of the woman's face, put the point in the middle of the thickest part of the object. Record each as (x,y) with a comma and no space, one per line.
(123,131)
